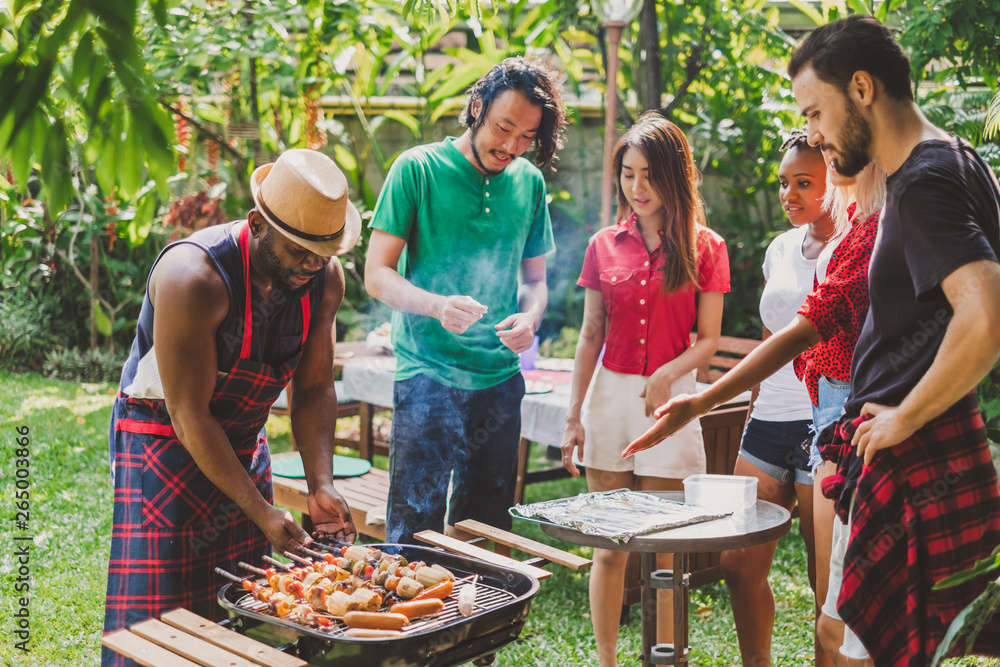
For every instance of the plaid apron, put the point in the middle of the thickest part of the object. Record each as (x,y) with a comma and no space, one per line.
(926,508)
(171,525)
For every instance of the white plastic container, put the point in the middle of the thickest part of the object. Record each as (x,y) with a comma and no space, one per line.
(730,493)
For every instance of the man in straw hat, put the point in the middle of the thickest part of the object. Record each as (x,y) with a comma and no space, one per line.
(231,315)
(455,222)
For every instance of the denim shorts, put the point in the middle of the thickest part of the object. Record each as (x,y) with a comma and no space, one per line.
(777,449)
(452,452)
(832,396)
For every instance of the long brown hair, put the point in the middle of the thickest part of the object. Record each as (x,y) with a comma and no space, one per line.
(674,178)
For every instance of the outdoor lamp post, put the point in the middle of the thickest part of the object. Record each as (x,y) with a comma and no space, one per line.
(614,15)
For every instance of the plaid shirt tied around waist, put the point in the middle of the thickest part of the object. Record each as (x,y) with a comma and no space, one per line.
(925,509)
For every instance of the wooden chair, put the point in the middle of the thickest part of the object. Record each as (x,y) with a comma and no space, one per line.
(731,351)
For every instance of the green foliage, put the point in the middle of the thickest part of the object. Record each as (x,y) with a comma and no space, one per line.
(77,94)
(992,127)
(953,40)
(562,346)
(988,392)
(51,258)
(25,327)
(89,366)
(970,621)
(723,70)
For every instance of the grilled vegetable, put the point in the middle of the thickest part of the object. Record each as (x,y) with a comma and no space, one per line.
(339,603)
(368,599)
(430,576)
(408,588)
(357,553)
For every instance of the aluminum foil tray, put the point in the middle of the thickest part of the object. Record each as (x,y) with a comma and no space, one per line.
(617,515)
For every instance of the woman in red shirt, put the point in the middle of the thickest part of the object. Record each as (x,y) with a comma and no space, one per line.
(650,279)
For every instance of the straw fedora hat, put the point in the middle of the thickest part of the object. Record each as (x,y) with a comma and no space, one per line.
(304,196)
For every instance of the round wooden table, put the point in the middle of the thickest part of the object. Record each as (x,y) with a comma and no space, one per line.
(762,523)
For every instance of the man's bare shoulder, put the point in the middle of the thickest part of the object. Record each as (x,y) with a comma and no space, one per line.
(186,278)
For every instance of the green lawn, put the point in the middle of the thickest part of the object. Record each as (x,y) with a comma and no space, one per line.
(70,520)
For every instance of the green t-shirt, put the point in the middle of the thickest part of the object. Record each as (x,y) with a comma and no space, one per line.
(466,233)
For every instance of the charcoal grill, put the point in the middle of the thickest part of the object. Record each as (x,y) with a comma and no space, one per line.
(503,598)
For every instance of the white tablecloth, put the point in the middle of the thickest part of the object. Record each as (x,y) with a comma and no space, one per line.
(543,416)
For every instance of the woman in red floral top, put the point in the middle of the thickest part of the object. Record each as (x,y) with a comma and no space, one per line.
(824,332)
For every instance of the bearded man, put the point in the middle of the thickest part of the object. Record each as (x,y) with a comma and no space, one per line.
(231,315)
(916,489)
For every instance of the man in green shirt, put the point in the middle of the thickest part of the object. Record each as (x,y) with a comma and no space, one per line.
(454,223)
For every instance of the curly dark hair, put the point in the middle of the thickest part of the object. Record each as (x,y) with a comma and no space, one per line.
(535,81)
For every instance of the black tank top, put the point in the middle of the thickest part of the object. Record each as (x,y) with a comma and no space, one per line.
(277,323)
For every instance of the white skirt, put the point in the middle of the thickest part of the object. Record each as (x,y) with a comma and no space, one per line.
(613,415)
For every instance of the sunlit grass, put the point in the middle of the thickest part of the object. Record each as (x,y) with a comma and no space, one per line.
(71,524)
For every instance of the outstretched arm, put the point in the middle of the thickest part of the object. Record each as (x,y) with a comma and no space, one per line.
(757,366)
(314,412)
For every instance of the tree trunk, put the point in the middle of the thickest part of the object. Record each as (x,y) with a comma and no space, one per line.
(94,286)
(649,43)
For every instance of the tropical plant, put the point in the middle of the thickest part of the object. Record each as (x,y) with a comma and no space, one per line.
(87,151)
(970,621)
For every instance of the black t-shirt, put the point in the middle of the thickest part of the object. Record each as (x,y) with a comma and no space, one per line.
(942,211)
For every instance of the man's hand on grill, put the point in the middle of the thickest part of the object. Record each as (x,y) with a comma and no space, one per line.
(330,513)
(282,531)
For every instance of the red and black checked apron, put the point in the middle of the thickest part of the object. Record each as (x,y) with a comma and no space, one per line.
(172,526)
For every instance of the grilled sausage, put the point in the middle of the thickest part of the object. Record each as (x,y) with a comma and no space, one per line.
(418,608)
(375,621)
(441,591)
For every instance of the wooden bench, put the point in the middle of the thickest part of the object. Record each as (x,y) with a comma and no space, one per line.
(184,639)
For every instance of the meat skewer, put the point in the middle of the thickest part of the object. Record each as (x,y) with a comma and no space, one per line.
(309,552)
(283,605)
(278,564)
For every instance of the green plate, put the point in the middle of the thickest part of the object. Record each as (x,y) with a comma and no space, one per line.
(343,466)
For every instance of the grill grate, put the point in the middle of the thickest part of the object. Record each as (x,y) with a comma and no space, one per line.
(487,597)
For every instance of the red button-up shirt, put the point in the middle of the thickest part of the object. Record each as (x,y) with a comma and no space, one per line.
(837,308)
(647,327)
